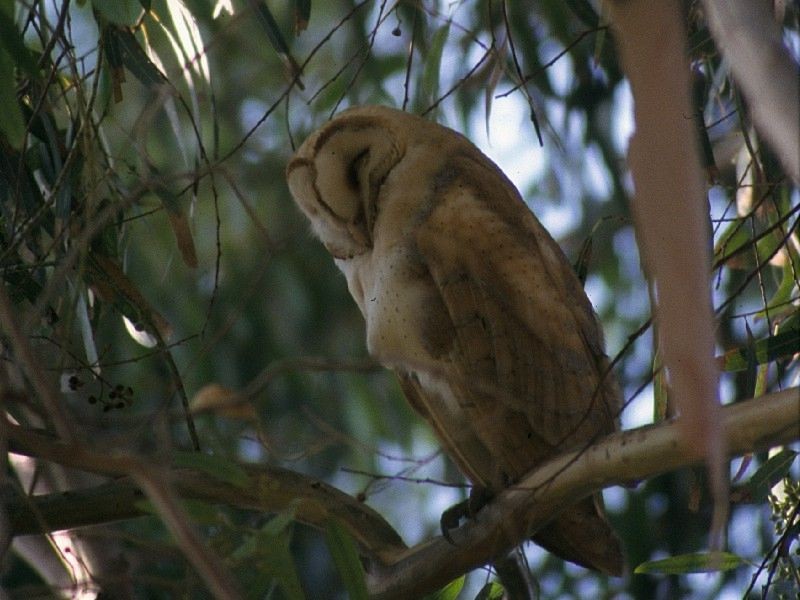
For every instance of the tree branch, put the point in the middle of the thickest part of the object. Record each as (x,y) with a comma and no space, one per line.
(624,457)
(268,489)
(395,571)
(750,39)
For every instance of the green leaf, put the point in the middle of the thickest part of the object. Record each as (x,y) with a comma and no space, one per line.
(12,41)
(491,591)
(275,37)
(265,556)
(731,241)
(135,59)
(218,467)
(433,63)
(785,343)
(701,562)
(280,523)
(770,473)
(584,11)
(11,125)
(781,301)
(450,591)
(345,556)
(119,12)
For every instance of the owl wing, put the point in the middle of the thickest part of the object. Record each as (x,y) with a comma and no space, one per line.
(527,354)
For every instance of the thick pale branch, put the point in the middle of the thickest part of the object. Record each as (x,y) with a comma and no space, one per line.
(672,222)
(621,458)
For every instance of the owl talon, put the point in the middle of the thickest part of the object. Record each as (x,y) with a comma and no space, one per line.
(451,518)
(466,509)
(478,498)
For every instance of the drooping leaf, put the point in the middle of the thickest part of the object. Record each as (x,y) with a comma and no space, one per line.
(11,124)
(119,12)
(270,26)
(345,556)
(770,473)
(11,40)
(302,15)
(581,266)
(432,70)
(730,244)
(135,58)
(265,556)
(181,228)
(223,402)
(584,11)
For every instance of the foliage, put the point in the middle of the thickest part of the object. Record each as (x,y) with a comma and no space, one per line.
(149,250)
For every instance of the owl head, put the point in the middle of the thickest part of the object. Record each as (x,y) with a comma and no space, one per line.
(336,175)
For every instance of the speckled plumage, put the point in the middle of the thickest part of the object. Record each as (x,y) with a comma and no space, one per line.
(468,299)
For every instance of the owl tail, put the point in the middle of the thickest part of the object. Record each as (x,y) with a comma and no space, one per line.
(583,535)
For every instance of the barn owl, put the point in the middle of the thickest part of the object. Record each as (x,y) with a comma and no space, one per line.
(469,300)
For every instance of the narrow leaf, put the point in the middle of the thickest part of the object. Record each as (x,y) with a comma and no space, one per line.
(770,473)
(12,41)
(112,285)
(218,467)
(785,343)
(701,562)
(12,124)
(433,62)
(183,237)
(345,556)
(119,12)
(584,11)
(581,267)
(266,557)
(491,591)
(135,59)
(302,15)
(275,37)
(451,590)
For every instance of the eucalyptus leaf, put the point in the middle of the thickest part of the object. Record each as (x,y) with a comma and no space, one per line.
(701,562)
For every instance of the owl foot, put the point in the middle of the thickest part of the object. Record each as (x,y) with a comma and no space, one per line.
(466,509)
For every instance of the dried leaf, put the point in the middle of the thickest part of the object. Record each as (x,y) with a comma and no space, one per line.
(221,401)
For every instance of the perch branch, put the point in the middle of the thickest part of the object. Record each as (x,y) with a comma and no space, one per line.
(395,571)
(624,457)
